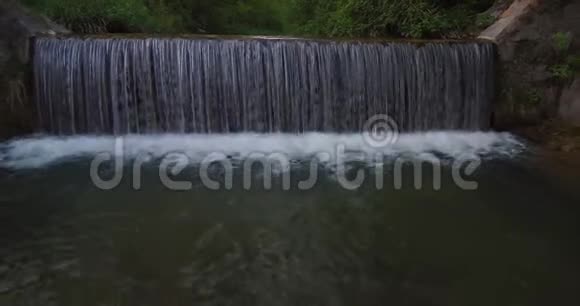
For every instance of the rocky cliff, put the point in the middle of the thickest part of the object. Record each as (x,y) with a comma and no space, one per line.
(18,26)
(539,48)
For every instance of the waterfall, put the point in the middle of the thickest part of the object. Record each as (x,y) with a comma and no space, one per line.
(126,85)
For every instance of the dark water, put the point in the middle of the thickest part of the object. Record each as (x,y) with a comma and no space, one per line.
(513,241)
(118,85)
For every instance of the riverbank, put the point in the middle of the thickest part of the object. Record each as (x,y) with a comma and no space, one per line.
(552,136)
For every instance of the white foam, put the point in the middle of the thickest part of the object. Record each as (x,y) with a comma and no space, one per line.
(35,152)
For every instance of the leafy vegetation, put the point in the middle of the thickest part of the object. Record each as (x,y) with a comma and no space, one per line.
(334,18)
(533,97)
(561,41)
(168,16)
(484,20)
(135,15)
(562,72)
(567,66)
(407,18)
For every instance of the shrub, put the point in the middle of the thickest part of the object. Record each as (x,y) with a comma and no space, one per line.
(484,20)
(562,72)
(567,66)
(534,97)
(134,15)
(342,18)
(216,16)
(407,18)
(561,41)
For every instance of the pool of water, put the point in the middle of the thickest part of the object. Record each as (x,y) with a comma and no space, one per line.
(66,240)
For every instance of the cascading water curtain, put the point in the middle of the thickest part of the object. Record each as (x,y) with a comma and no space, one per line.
(149,85)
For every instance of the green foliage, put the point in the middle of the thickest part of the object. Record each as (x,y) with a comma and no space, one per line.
(562,72)
(407,18)
(133,14)
(484,20)
(567,66)
(335,18)
(561,41)
(171,16)
(533,97)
